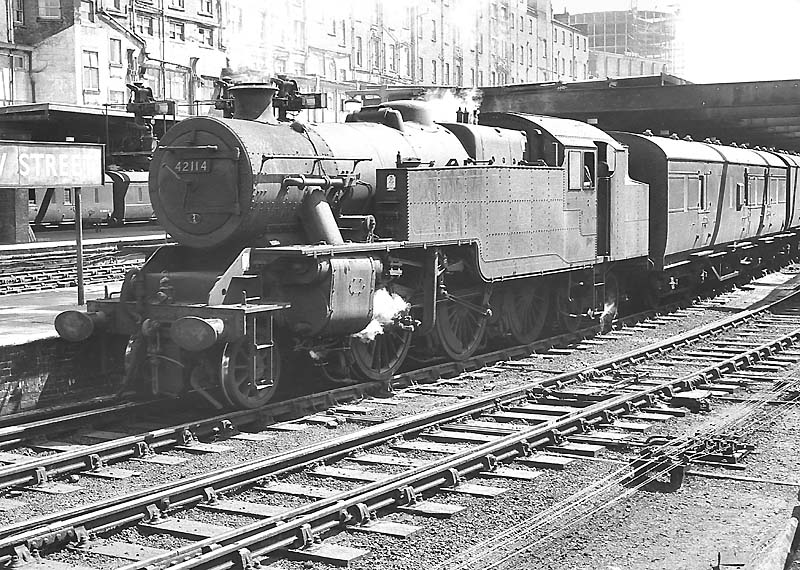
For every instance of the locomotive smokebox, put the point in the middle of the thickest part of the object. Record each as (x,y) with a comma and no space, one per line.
(253,101)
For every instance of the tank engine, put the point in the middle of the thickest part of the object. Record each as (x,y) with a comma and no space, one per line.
(348,246)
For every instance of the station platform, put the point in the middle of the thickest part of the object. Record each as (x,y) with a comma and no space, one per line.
(28,317)
(64,240)
(149,230)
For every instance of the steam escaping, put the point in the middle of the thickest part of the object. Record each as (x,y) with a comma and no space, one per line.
(444,103)
(610,311)
(386,308)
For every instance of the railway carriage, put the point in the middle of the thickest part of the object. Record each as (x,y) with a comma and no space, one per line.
(715,210)
(352,246)
(125,197)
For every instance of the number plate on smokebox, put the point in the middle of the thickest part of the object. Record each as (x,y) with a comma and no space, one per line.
(192,166)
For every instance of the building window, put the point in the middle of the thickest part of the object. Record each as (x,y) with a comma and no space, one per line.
(50,9)
(19,12)
(145,25)
(359,52)
(555,35)
(480,78)
(433,30)
(570,40)
(446,77)
(512,52)
(584,44)
(206,35)
(376,53)
(116,5)
(530,26)
(419,27)
(115,51)
(433,71)
(421,70)
(530,56)
(176,85)
(563,38)
(522,23)
(91,71)
(544,49)
(207,7)
(177,31)
(343,37)
(393,59)
(116,97)
(177,4)
(20,62)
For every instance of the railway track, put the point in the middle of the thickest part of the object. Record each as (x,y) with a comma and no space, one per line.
(54,266)
(41,433)
(31,271)
(606,404)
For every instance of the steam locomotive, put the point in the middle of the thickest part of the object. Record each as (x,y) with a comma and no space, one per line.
(356,246)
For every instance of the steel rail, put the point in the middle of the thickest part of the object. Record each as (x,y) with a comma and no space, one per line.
(302,526)
(109,513)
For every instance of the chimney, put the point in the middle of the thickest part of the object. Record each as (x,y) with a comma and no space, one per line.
(253,101)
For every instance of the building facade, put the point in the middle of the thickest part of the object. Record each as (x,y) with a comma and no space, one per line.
(626,43)
(570,53)
(84,52)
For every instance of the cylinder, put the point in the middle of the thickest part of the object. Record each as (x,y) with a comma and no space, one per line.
(318,220)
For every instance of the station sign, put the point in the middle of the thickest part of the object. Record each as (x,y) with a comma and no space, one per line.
(33,164)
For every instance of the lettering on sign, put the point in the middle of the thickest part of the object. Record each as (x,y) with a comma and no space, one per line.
(37,164)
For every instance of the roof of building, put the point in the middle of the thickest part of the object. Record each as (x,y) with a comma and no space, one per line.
(765,113)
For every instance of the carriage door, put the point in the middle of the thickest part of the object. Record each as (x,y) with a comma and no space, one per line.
(605,165)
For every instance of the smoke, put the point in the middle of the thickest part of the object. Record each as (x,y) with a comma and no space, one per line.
(444,103)
(386,308)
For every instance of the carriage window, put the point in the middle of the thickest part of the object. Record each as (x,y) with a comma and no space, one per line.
(141,195)
(741,196)
(97,195)
(676,194)
(778,190)
(68,196)
(575,167)
(31,195)
(704,205)
(693,198)
(755,191)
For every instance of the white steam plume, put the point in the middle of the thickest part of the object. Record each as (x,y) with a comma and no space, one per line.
(386,308)
(444,103)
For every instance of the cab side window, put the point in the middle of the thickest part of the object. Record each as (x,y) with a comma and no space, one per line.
(581,168)
(575,170)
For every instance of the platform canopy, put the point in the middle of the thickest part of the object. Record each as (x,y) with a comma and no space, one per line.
(763,113)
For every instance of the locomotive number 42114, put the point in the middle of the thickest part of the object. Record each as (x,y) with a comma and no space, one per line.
(191,166)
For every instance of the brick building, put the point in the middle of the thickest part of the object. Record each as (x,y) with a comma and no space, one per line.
(84,51)
(78,54)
